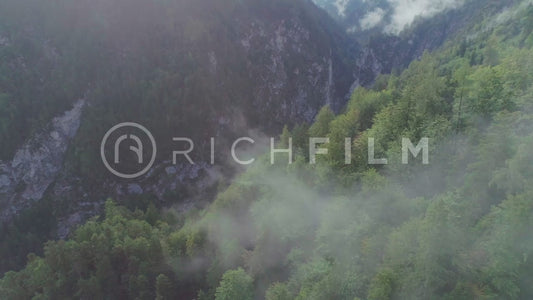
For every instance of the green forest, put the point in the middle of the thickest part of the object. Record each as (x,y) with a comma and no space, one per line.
(458,228)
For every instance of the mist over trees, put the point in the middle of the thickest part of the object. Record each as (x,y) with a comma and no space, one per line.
(458,228)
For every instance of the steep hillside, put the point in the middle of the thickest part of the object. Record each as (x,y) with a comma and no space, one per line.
(70,70)
(192,68)
(430,33)
(395,32)
(257,56)
(451,222)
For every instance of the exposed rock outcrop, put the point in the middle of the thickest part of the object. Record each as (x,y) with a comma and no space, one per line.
(36,165)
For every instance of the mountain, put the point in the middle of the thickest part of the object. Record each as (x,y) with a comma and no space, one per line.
(402,30)
(351,14)
(199,69)
(373,217)
(217,44)
(389,16)
(73,69)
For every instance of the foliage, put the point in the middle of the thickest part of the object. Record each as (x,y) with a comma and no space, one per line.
(235,284)
(458,228)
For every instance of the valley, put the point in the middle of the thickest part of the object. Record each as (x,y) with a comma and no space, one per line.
(398,168)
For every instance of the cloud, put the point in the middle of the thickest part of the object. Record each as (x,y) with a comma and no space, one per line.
(341,6)
(404,12)
(372,19)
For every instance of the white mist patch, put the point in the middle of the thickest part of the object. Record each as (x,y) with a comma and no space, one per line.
(341,7)
(404,12)
(372,19)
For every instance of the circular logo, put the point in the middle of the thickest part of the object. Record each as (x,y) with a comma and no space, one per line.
(125,142)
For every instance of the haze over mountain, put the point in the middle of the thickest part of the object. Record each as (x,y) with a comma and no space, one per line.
(389,16)
(455,71)
(189,68)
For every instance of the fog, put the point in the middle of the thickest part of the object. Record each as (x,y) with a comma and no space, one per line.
(404,12)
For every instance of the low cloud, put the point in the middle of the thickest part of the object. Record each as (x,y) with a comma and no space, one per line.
(341,6)
(372,19)
(404,12)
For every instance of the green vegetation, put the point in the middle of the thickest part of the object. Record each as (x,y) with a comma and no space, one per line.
(235,285)
(459,228)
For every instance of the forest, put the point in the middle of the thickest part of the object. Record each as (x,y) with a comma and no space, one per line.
(456,228)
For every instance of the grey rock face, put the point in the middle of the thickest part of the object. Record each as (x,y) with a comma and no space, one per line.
(285,64)
(4,41)
(294,77)
(183,185)
(36,165)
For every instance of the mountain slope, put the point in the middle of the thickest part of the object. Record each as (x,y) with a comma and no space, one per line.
(403,30)
(456,228)
(198,69)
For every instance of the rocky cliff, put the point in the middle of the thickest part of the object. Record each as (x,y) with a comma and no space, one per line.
(182,68)
(189,68)
(37,164)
